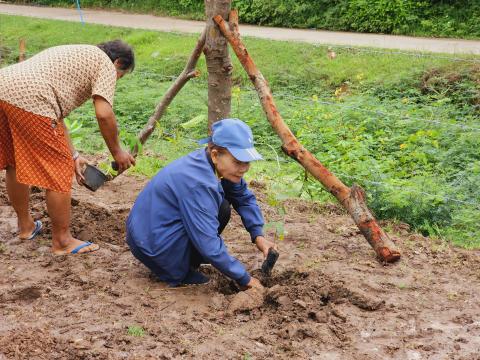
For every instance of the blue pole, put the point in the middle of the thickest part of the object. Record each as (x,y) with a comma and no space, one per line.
(80,11)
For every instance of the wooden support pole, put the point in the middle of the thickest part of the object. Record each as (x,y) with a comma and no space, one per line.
(187,73)
(352,199)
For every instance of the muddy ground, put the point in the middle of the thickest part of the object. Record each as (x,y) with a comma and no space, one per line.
(328,297)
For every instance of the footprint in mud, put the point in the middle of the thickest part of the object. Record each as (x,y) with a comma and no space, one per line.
(27,294)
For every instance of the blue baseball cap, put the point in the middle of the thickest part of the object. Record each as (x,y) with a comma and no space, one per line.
(236,137)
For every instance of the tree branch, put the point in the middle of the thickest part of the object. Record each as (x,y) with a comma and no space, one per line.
(187,73)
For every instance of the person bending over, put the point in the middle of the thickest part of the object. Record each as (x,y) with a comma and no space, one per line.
(35,147)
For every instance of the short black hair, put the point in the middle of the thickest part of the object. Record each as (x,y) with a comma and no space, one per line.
(118,50)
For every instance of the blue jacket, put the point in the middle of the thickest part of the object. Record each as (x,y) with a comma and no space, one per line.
(179,209)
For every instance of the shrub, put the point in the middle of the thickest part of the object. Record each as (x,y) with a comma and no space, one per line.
(409,17)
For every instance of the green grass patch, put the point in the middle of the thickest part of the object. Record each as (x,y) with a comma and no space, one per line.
(136,331)
(404,126)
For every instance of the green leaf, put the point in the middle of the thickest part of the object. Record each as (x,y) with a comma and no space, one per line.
(196,121)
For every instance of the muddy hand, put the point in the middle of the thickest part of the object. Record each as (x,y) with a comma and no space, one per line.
(253,283)
(123,160)
(264,245)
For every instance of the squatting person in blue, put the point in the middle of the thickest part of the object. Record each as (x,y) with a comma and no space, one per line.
(176,221)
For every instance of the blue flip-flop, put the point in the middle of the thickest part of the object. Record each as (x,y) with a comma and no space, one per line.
(36,231)
(80,247)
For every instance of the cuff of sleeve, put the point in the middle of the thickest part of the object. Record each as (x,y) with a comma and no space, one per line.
(257,231)
(244,280)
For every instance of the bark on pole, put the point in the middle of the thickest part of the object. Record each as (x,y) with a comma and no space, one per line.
(218,61)
(187,73)
(352,199)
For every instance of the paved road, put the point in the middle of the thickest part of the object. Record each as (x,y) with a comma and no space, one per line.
(452,46)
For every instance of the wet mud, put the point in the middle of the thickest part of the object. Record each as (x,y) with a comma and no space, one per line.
(327,298)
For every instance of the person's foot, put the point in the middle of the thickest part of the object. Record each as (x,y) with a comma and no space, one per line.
(38,226)
(195,278)
(26,230)
(75,246)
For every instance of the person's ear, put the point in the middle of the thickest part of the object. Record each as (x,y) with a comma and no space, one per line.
(214,156)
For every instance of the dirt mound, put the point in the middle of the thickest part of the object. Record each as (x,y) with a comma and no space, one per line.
(327,298)
(29,343)
(247,300)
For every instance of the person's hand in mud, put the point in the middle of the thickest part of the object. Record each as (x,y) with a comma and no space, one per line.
(253,283)
(80,163)
(264,245)
(123,160)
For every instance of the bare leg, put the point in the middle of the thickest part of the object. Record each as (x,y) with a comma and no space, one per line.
(19,195)
(58,205)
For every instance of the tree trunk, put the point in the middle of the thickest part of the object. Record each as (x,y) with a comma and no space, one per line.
(352,199)
(218,61)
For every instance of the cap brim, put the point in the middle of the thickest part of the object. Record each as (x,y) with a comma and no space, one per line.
(245,155)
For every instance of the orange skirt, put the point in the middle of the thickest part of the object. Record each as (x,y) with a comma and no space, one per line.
(37,147)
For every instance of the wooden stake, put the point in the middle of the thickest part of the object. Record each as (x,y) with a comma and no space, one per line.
(353,200)
(22,49)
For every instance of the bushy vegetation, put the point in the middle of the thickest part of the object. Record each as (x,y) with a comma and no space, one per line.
(448,18)
(404,126)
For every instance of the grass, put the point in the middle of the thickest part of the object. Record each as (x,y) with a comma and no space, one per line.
(136,331)
(403,126)
(3,248)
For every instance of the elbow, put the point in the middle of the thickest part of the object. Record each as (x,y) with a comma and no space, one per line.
(103,117)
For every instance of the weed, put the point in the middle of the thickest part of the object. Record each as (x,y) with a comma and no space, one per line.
(136,331)
(247,356)
(3,248)
(313,264)
(453,296)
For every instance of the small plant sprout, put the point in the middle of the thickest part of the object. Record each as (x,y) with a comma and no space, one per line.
(276,201)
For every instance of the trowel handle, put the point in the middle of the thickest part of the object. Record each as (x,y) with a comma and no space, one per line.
(270,261)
